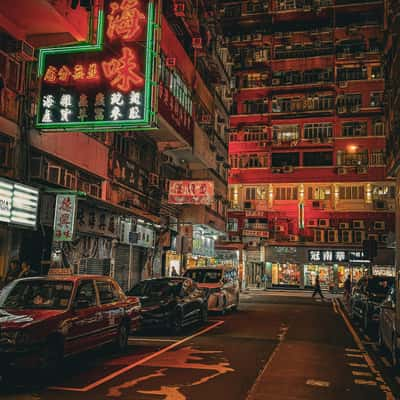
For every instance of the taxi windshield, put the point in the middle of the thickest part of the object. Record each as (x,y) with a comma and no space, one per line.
(204,275)
(37,294)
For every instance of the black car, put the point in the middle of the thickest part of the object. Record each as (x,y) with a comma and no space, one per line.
(367,297)
(172,303)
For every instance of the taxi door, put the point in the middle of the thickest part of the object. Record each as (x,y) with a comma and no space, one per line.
(86,319)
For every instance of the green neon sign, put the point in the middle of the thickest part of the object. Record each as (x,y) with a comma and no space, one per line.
(107,85)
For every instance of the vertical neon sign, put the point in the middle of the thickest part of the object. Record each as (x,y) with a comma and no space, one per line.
(108,85)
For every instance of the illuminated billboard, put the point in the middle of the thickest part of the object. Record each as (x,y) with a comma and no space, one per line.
(107,85)
(191,192)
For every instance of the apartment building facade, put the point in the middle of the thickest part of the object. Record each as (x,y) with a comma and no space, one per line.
(308,183)
(125,225)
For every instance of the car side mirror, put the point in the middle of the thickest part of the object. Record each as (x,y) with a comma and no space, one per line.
(81,303)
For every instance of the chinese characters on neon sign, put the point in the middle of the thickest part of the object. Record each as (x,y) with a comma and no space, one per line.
(335,255)
(108,85)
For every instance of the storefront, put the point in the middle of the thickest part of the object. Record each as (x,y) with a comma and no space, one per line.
(286,274)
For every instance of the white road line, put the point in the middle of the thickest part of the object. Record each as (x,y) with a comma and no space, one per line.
(136,363)
(151,340)
(365,382)
(350,350)
(385,362)
(356,365)
(368,359)
(334,306)
(314,382)
(355,355)
(362,373)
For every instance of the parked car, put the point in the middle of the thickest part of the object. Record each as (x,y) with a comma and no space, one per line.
(387,333)
(44,319)
(367,297)
(172,303)
(222,285)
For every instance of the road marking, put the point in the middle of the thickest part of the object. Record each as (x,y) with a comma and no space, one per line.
(314,382)
(136,363)
(350,350)
(397,379)
(364,382)
(355,355)
(368,359)
(356,365)
(361,373)
(386,362)
(334,306)
(152,340)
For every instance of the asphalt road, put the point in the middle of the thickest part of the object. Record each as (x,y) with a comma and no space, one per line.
(278,346)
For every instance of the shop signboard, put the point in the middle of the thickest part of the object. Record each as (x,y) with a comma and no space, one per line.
(18,204)
(263,234)
(64,218)
(191,192)
(330,255)
(95,221)
(107,84)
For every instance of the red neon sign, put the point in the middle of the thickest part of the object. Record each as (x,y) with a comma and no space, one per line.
(125,21)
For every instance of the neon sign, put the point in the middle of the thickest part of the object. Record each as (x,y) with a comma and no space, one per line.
(108,85)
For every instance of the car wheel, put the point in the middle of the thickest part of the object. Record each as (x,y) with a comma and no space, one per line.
(121,341)
(204,314)
(223,311)
(52,356)
(236,306)
(395,356)
(176,324)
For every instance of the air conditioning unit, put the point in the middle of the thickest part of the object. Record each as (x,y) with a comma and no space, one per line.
(154,179)
(358,224)
(197,43)
(318,204)
(341,171)
(362,170)
(332,236)
(323,222)
(293,238)
(287,169)
(312,222)
(379,225)
(343,84)
(347,236)
(248,205)
(276,170)
(22,50)
(344,225)
(170,62)
(380,205)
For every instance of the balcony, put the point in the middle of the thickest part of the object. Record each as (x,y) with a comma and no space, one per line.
(298,51)
(257,226)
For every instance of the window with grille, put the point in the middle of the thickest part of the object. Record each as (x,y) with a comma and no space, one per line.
(320,130)
(351,192)
(377,158)
(350,129)
(286,193)
(285,133)
(319,193)
(378,128)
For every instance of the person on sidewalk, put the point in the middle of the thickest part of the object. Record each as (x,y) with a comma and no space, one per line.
(317,288)
(258,281)
(347,289)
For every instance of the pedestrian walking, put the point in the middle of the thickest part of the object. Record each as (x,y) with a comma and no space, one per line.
(258,281)
(265,281)
(26,271)
(173,272)
(317,288)
(347,289)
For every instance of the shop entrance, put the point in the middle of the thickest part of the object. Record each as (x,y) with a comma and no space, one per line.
(255,269)
(325,272)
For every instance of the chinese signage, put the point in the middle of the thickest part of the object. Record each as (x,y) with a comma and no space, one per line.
(335,255)
(18,204)
(247,232)
(94,221)
(104,86)
(191,192)
(64,218)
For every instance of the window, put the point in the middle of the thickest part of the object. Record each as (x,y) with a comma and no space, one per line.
(377,158)
(255,80)
(351,192)
(376,99)
(87,293)
(232,225)
(383,192)
(321,130)
(352,159)
(107,292)
(286,193)
(255,106)
(376,72)
(319,193)
(285,159)
(285,133)
(378,128)
(352,74)
(254,161)
(350,129)
(349,103)
(316,159)
(256,193)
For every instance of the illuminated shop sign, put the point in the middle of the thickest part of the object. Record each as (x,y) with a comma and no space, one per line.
(18,204)
(107,85)
(335,255)
(64,218)
(191,192)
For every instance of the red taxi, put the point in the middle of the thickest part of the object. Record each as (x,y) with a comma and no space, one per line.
(44,319)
